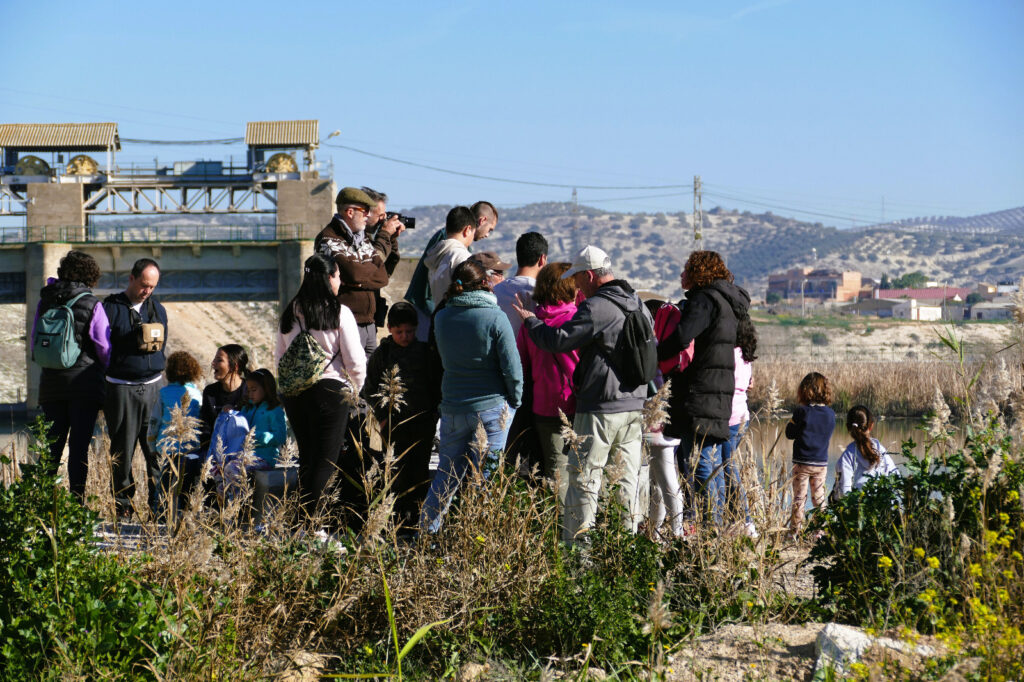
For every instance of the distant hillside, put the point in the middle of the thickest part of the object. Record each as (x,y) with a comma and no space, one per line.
(1010,221)
(650,249)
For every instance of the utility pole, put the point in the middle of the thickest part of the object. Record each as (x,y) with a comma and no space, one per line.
(698,213)
(575,223)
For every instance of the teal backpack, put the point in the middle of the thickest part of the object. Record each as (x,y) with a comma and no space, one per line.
(55,346)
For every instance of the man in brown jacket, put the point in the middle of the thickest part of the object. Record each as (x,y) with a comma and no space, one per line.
(360,260)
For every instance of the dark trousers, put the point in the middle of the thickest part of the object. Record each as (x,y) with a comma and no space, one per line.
(75,418)
(523,441)
(318,417)
(127,409)
(413,441)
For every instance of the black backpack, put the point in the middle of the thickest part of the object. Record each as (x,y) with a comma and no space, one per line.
(635,355)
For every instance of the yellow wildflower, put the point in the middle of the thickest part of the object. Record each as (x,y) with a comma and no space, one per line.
(884,563)
(919,553)
(933,562)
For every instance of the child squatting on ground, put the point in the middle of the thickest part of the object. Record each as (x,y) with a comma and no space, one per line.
(261,414)
(863,459)
(810,429)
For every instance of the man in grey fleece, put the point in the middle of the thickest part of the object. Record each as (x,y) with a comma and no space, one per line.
(608,412)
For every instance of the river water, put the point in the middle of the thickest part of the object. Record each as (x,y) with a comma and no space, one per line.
(892,433)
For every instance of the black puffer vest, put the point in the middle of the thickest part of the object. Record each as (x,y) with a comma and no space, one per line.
(85,378)
(701,401)
(127,362)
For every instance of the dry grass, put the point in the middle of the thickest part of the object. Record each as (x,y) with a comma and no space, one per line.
(259,604)
(890,388)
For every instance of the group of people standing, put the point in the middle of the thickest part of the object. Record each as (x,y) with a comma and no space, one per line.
(120,366)
(476,359)
(116,368)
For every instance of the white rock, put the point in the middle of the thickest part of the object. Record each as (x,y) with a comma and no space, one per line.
(838,646)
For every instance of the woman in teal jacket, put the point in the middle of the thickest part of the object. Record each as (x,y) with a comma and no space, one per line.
(482,383)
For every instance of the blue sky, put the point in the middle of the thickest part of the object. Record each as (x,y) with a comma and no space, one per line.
(798,106)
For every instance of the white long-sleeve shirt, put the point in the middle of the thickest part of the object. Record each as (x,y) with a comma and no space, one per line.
(342,343)
(854,471)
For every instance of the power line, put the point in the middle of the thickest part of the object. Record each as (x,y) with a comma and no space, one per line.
(834,216)
(825,201)
(636,198)
(179,143)
(498,179)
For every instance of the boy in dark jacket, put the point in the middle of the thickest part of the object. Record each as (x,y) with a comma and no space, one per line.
(407,424)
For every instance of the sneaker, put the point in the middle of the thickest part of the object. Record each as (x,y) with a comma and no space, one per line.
(751,530)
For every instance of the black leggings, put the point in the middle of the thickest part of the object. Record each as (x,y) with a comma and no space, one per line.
(75,418)
(318,417)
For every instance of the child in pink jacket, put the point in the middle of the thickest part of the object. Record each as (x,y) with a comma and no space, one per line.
(551,372)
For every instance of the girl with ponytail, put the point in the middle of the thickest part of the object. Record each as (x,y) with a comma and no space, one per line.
(865,457)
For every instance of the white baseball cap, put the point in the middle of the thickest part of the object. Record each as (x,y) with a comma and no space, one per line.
(589,258)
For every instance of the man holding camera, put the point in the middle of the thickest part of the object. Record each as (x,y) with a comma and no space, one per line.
(138,332)
(375,220)
(361,258)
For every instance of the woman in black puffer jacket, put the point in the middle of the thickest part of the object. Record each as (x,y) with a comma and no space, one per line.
(71,398)
(701,401)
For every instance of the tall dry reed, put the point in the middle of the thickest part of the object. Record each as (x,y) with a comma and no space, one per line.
(889,388)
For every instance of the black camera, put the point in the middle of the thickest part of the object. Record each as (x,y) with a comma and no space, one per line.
(409,222)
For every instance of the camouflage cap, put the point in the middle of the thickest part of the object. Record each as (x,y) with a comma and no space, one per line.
(354,195)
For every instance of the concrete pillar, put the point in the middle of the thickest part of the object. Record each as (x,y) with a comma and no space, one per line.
(53,206)
(291,257)
(304,207)
(41,261)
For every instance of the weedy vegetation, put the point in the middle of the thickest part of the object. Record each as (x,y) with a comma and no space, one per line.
(202,593)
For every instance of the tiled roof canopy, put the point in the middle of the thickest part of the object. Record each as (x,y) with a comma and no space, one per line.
(59,136)
(282,133)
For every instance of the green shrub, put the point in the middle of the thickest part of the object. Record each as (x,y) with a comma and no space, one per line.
(889,552)
(66,607)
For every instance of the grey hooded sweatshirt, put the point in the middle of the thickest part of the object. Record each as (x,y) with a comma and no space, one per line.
(440,261)
(593,330)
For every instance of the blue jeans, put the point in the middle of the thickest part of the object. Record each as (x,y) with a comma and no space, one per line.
(733,492)
(456,456)
(708,478)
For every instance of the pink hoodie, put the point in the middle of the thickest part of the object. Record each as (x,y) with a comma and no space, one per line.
(551,372)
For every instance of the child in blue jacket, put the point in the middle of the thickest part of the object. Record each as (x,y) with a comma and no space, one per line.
(183,373)
(265,416)
(810,429)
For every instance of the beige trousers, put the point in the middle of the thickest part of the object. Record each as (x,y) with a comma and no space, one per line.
(804,474)
(612,443)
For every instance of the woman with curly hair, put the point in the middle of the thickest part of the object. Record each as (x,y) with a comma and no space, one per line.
(702,394)
(71,398)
